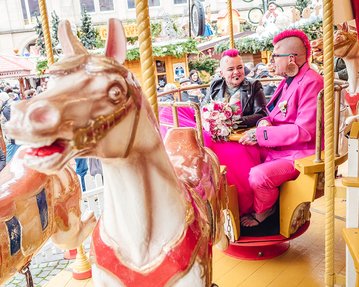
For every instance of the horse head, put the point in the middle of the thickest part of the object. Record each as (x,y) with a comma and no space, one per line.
(87,96)
(346,47)
(344,41)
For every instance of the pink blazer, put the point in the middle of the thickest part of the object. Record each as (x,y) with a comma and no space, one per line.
(292,134)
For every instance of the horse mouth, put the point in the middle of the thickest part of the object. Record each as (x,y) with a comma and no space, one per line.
(47,156)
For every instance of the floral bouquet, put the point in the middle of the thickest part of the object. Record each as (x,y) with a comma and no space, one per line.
(220,119)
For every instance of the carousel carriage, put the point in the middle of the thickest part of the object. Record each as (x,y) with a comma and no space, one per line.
(192,185)
(272,237)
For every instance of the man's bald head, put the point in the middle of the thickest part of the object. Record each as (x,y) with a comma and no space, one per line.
(293,45)
(299,35)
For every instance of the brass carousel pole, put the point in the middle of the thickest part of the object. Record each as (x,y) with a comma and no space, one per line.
(329,189)
(146,57)
(46,31)
(230,24)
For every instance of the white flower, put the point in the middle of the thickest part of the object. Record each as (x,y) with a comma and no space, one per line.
(283,107)
(225,131)
(205,125)
(179,49)
(206,115)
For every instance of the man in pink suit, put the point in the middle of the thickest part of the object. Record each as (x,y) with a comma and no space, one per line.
(288,132)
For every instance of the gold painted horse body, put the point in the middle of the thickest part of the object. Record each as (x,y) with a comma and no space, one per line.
(33,208)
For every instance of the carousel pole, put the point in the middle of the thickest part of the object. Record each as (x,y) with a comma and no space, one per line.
(230,24)
(146,57)
(46,31)
(329,188)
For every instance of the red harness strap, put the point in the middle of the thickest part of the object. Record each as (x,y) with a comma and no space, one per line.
(176,261)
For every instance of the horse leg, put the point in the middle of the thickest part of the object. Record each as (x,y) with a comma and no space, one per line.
(76,233)
(70,231)
(195,277)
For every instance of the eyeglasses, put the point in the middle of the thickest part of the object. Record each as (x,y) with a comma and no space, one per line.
(281,55)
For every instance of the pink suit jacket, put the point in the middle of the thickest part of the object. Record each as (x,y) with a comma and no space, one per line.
(292,134)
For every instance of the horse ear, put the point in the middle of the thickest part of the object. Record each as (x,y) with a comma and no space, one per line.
(116,41)
(345,27)
(70,44)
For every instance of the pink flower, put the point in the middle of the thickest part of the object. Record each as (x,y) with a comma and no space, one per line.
(215,114)
(217,106)
(220,119)
(228,114)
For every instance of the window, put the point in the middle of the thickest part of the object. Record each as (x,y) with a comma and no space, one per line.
(106,5)
(151,3)
(89,5)
(180,1)
(30,9)
(96,5)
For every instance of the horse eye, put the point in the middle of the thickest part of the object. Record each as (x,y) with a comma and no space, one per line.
(115,93)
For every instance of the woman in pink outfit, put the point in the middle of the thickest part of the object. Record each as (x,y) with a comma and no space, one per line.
(233,88)
(288,132)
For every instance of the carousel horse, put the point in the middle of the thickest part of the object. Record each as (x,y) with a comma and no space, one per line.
(34,207)
(161,212)
(346,46)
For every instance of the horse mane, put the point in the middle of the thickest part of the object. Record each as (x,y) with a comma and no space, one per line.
(92,64)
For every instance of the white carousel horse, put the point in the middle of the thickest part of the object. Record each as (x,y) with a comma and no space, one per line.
(346,46)
(159,218)
(33,208)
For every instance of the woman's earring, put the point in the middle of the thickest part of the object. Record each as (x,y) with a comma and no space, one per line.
(292,69)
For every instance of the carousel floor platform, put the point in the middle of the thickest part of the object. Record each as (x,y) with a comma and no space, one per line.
(302,265)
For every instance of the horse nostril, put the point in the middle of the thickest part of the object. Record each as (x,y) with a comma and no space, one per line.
(44,116)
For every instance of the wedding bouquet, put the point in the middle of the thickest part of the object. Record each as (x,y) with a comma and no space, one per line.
(220,119)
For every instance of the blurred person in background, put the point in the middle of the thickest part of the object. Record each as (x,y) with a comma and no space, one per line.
(196,80)
(169,97)
(5,109)
(189,95)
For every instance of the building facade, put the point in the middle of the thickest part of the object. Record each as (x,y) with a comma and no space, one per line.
(17,32)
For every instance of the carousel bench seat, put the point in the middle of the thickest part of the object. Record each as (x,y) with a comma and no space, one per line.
(296,195)
(351,237)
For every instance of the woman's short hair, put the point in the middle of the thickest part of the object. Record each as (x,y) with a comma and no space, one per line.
(230,53)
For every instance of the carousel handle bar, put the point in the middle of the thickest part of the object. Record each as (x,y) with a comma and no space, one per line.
(339,86)
(318,142)
(195,106)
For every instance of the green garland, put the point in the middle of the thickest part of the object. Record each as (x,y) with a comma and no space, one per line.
(205,63)
(176,50)
(254,45)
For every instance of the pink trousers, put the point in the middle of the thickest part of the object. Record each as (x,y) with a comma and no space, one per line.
(264,180)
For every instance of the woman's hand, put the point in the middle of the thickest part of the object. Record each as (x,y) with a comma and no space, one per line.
(249,138)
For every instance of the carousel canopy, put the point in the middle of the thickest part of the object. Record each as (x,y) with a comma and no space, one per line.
(15,67)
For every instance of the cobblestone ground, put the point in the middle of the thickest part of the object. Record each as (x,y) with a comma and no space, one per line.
(41,273)
(46,264)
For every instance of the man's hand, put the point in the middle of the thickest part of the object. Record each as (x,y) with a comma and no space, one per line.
(264,123)
(249,138)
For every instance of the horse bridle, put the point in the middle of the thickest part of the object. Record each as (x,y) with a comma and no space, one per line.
(88,136)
